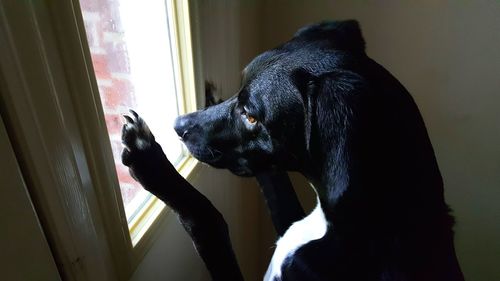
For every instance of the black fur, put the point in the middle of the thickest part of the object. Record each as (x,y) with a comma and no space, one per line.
(210,98)
(325,109)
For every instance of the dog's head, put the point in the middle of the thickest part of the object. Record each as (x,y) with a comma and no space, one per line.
(264,124)
(255,129)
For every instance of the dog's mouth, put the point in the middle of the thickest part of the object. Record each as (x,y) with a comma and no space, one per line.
(205,154)
(241,171)
(215,158)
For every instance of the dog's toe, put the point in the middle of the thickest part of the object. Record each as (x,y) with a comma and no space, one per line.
(136,135)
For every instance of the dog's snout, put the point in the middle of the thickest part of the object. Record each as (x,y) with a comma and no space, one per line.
(183,126)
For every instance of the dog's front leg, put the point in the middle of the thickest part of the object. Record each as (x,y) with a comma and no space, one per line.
(281,199)
(203,222)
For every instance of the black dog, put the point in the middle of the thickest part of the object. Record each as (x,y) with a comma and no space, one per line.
(318,105)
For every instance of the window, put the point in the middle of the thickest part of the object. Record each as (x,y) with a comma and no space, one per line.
(54,111)
(136,57)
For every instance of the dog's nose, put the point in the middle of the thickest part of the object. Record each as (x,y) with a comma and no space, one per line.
(182,126)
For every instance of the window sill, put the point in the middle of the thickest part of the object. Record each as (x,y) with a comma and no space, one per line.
(144,226)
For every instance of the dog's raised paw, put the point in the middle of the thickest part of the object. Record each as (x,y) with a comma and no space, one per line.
(136,136)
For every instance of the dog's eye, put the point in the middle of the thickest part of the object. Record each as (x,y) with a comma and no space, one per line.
(249,118)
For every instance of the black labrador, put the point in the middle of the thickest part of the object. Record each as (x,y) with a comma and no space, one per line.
(318,105)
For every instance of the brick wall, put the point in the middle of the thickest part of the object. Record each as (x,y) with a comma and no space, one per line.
(110,60)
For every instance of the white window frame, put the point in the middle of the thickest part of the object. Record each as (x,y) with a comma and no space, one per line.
(52,109)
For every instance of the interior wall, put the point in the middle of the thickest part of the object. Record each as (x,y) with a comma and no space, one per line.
(24,251)
(446,54)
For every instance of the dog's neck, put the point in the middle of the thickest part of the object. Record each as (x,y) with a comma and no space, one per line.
(331,179)
(371,178)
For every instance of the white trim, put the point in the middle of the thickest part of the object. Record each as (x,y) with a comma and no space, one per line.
(53,111)
(41,119)
(25,251)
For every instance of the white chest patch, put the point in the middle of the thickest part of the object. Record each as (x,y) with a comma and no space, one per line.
(310,228)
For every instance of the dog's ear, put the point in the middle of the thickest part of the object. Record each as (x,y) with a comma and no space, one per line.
(343,35)
(305,82)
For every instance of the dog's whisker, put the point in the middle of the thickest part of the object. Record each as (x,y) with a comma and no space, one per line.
(211,152)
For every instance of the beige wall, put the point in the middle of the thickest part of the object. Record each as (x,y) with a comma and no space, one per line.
(447,53)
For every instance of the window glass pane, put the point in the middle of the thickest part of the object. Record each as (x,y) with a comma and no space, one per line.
(131,49)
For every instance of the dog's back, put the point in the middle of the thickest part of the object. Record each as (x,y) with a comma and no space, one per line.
(389,221)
